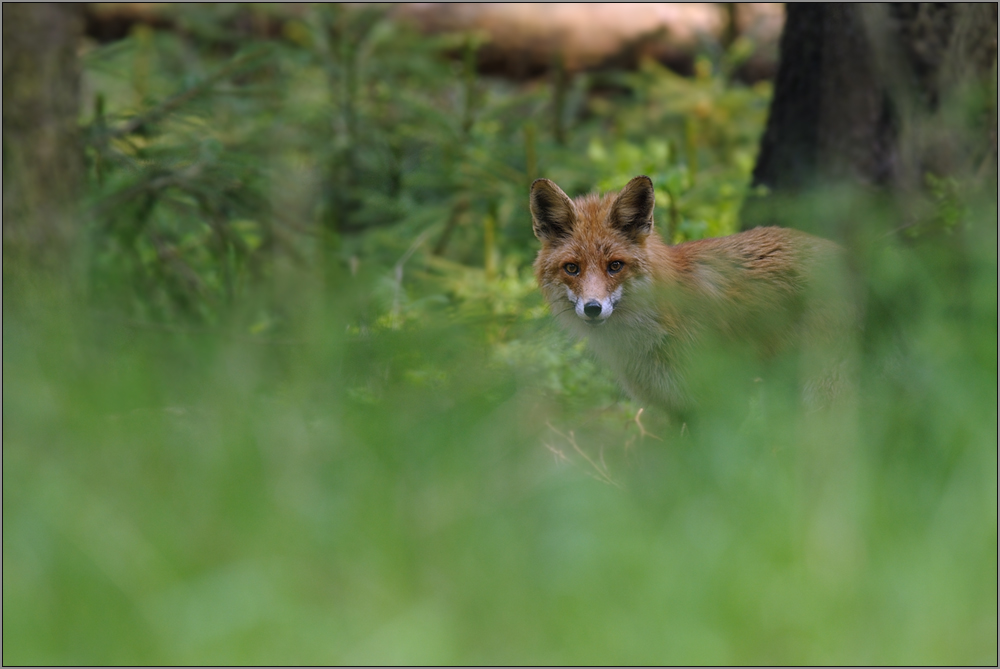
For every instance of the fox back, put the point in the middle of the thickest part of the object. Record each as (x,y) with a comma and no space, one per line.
(645,306)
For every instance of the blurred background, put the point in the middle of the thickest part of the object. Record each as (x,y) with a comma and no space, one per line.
(279,387)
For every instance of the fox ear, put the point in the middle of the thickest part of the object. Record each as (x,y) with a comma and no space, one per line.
(632,210)
(552,212)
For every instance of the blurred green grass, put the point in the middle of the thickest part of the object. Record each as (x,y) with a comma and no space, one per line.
(303,437)
(207,496)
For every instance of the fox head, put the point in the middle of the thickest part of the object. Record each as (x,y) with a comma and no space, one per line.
(593,248)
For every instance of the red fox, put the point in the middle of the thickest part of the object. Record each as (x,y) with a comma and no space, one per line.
(643,306)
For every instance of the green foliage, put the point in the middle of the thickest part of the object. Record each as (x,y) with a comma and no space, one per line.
(352,136)
(314,410)
(459,486)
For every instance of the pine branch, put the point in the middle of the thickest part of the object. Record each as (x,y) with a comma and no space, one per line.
(170,104)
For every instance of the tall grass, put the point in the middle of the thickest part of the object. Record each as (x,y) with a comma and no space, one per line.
(176,495)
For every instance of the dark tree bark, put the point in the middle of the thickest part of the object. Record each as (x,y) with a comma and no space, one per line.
(42,157)
(877,95)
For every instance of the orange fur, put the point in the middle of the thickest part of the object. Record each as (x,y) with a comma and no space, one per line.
(767,287)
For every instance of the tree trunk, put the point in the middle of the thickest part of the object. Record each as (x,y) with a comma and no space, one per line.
(877,95)
(42,157)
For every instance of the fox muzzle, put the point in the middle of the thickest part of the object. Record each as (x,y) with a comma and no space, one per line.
(594,310)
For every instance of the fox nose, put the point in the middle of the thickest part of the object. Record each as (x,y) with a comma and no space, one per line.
(592,309)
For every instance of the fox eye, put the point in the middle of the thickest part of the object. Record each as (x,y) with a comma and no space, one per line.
(615,266)
(571,268)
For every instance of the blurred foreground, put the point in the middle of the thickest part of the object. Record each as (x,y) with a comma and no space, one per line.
(415,495)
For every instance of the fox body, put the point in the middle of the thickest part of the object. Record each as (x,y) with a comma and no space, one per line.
(644,306)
